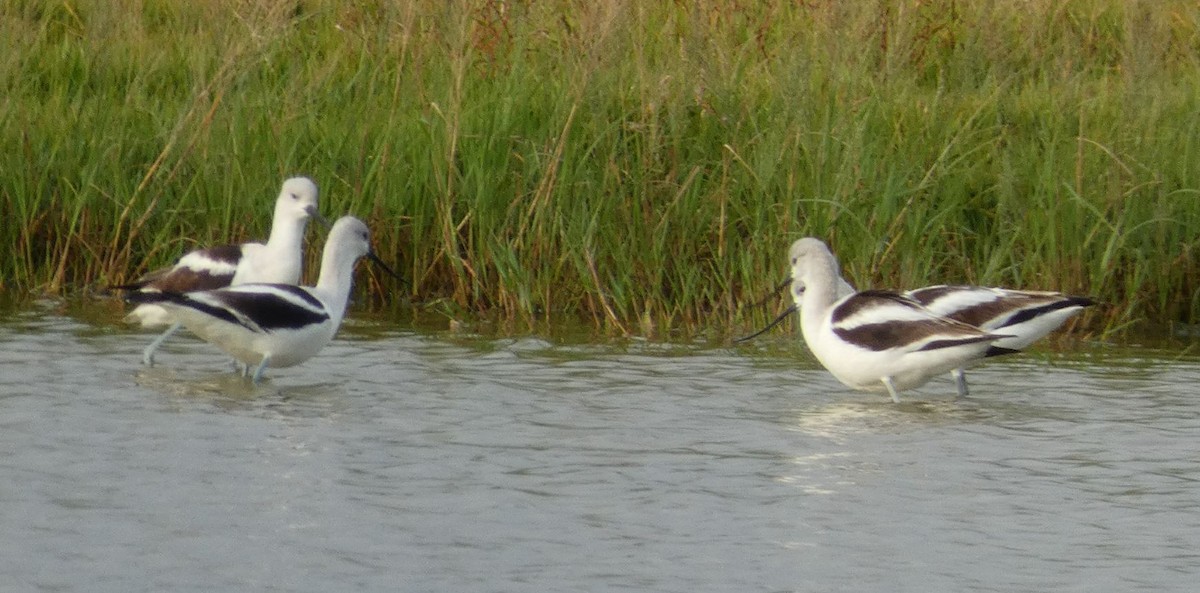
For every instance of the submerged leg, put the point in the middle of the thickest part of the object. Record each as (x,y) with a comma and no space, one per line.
(262,366)
(960,379)
(148,353)
(887,382)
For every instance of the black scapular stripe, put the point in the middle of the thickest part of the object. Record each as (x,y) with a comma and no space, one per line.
(183,300)
(1028,314)
(259,311)
(271,312)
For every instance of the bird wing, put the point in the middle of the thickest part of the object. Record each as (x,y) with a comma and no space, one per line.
(883,320)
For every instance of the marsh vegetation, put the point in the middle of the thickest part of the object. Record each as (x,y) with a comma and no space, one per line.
(643,165)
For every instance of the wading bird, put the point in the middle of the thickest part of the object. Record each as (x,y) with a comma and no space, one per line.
(876,340)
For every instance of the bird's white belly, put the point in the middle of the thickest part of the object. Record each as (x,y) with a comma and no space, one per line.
(864,369)
(291,347)
(149,316)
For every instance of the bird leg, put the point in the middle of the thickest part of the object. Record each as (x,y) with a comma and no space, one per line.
(887,382)
(148,353)
(960,379)
(262,366)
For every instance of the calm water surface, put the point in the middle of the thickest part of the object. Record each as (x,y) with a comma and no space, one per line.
(401,460)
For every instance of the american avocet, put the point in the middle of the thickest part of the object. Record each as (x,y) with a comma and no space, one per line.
(275,325)
(277,261)
(875,340)
(1024,316)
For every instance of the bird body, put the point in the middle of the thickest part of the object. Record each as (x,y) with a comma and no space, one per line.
(875,340)
(1024,316)
(250,322)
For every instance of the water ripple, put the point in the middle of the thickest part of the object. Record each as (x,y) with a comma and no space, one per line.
(423,462)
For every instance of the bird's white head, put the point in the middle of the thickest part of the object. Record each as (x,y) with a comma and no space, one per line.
(349,240)
(351,236)
(298,200)
(813,267)
(806,254)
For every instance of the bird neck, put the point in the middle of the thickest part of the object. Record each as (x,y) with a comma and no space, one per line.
(287,233)
(337,276)
(820,277)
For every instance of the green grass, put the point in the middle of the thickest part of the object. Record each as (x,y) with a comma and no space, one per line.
(643,165)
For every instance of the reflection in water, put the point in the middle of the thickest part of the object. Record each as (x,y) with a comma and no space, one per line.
(397,460)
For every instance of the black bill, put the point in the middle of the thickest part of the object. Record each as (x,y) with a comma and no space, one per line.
(791,309)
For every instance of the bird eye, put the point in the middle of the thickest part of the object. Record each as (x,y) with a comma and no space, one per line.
(794,260)
(295,197)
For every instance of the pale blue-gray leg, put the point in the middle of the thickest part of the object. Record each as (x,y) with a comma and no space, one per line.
(887,382)
(960,379)
(262,366)
(148,353)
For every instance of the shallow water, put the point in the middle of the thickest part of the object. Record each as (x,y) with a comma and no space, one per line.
(428,461)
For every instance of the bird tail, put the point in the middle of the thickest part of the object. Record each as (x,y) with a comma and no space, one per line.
(154,297)
(135,285)
(999,351)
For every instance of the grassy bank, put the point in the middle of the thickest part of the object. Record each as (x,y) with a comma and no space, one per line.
(641,164)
